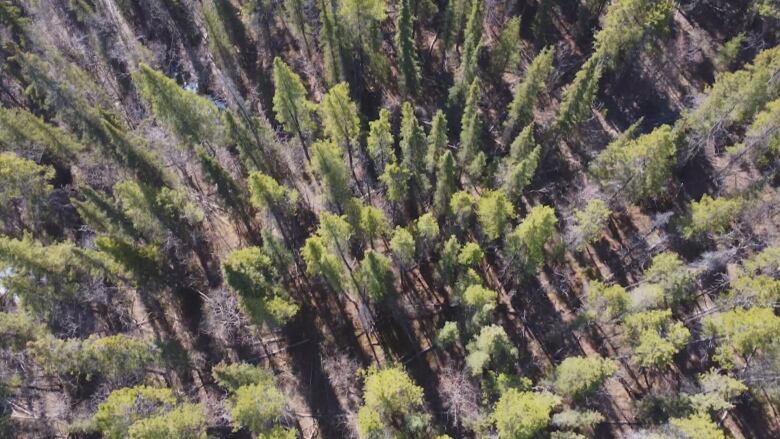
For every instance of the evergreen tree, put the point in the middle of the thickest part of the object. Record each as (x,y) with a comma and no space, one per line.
(577,377)
(526,243)
(519,168)
(526,94)
(523,415)
(393,405)
(340,120)
(591,221)
(380,141)
(396,180)
(362,20)
(494,211)
(414,147)
(655,337)
(296,13)
(491,349)
(194,119)
(470,156)
(472,41)
(743,333)
(604,303)
(256,142)
(437,140)
(578,96)
(506,53)
(446,184)
(375,275)
(407,52)
(319,261)
(230,193)
(403,246)
(251,274)
(290,104)
(126,406)
(713,216)
(640,168)
(328,165)
(24,131)
(331,43)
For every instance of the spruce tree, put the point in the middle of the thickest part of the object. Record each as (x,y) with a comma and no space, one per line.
(414,146)
(578,96)
(380,141)
(470,155)
(340,120)
(331,43)
(290,104)
(194,119)
(328,165)
(407,52)
(472,41)
(526,94)
(506,53)
(446,184)
(437,140)
(526,243)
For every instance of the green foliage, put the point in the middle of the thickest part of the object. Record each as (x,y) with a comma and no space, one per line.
(520,166)
(697,426)
(506,53)
(251,274)
(126,406)
(234,375)
(735,97)
(185,421)
(24,131)
(448,335)
(480,302)
(717,392)
(17,329)
(670,273)
(22,180)
(446,184)
(526,94)
(494,212)
(339,116)
(380,141)
(405,47)
(472,41)
(626,24)
(470,156)
(590,222)
(292,108)
(414,146)
(656,338)
(231,195)
(577,377)
(577,420)
(376,275)
(110,357)
(742,333)
(331,43)
(396,180)
(373,223)
(762,139)
(437,141)
(491,349)
(728,52)
(256,142)
(403,246)
(639,168)
(194,119)
(470,255)
(522,415)
(268,194)
(142,261)
(448,260)
(320,262)
(526,243)
(328,166)
(604,302)
(712,216)
(393,405)
(296,13)
(462,207)
(578,96)
(255,406)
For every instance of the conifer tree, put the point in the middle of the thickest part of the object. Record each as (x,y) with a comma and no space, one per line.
(231,194)
(519,168)
(331,43)
(255,140)
(396,179)
(290,104)
(393,406)
(251,274)
(414,147)
(319,261)
(526,243)
(437,140)
(578,96)
(506,53)
(446,184)
(362,20)
(407,52)
(194,119)
(375,275)
(340,120)
(23,130)
(470,156)
(526,94)
(380,141)
(328,165)
(494,211)
(523,415)
(296,13)
(491,349)
(472,40)
(590,222)
(639,168)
